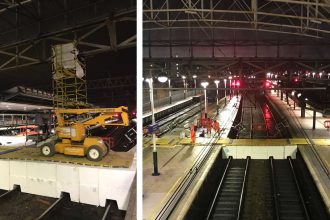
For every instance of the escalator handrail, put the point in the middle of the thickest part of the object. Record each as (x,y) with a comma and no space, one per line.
(210,212)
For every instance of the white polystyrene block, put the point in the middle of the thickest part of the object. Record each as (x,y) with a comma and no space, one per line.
(4,173)
(41,178)
(17,172)
(68,181)
(242,152)
(228,151)
(259,152)
(290,150)
(118,190)
(276,151)
(89,185)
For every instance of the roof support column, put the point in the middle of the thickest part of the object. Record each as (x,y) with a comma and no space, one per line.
(254,6)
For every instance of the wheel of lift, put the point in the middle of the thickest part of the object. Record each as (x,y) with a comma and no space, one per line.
(94,153)
(48,150)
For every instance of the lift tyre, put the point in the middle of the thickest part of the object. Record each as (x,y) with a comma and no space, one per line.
(48,150)
(94,153)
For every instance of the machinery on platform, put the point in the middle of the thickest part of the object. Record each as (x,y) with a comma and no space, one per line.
(72,131)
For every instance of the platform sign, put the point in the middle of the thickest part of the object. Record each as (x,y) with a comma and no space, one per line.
(153,128)
(327,124)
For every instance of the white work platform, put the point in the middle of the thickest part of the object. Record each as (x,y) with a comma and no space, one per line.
(86,184)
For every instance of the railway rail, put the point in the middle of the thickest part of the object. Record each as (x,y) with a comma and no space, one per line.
(257,120)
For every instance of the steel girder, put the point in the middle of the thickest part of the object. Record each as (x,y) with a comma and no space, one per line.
(29,28)
(221,67)
(216,37)
(306,18)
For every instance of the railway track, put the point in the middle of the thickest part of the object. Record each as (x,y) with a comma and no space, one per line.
(257,119)
(15,205)
(168,123)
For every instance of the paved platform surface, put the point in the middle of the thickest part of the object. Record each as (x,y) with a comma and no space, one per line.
(174,161)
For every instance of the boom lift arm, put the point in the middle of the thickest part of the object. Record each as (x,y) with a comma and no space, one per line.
(72,127)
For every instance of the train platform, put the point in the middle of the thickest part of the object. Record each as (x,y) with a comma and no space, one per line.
(175,159)
(312,144)
(163,108)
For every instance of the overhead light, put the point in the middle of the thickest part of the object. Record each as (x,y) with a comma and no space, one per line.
(148,80)
(204,84)
(183,77)
(216,82)
(194,76)
(162,78)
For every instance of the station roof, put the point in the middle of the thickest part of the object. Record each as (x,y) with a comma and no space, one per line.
(246,36)
(104,31)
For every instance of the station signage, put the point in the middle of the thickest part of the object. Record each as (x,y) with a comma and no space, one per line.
(153,128)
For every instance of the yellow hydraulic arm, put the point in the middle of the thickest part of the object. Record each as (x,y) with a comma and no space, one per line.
(95,116)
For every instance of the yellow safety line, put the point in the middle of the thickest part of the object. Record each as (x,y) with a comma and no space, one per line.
(153,212)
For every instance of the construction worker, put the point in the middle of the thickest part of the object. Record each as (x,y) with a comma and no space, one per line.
(216,126)
(208,126)
(192,134)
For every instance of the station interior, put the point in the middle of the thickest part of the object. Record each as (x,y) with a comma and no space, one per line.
(236,109)
(67,109)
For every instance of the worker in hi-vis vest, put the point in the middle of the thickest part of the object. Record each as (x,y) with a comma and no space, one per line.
(192,134)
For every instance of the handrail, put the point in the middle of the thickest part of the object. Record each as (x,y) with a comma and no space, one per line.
(299,190)
(243,188)
(275,201)
(218,189)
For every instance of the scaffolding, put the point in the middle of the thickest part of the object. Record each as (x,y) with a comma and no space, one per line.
(69,80)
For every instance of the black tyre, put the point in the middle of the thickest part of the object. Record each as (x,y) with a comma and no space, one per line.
(47,150)
(94,153)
